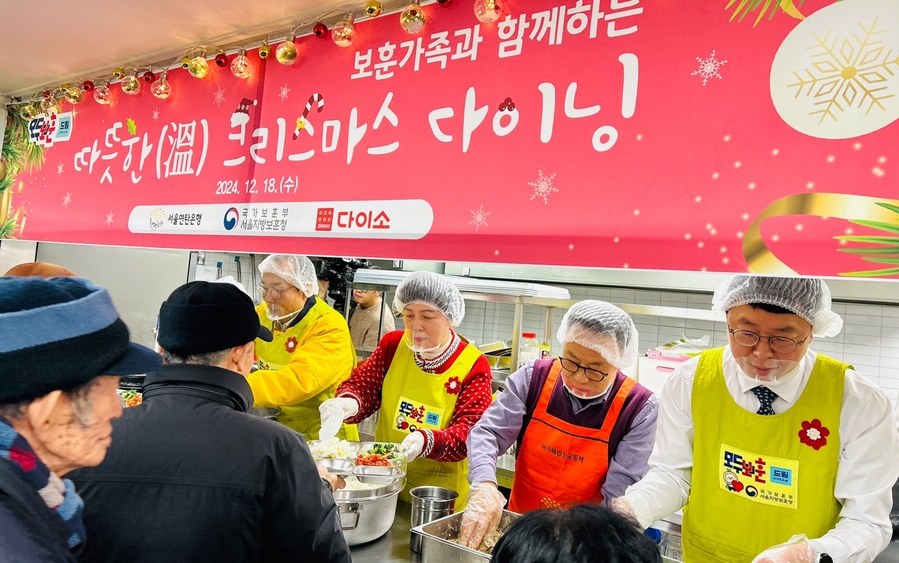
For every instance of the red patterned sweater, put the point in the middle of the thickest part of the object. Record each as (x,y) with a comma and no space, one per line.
(474,397)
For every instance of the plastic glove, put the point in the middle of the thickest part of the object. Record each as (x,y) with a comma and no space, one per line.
(412,445)
(336,481)
(334,412)
(796,550)
(482,514)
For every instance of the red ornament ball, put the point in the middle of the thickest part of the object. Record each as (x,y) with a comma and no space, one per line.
(87,85)
(149,76)
(445,3)
(221,60)
(320,30)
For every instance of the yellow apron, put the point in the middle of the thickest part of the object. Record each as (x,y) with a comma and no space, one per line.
(758,479)
(303,417)
(412,399)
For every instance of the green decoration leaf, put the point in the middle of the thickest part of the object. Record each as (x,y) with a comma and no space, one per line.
(764,7)
(884,249)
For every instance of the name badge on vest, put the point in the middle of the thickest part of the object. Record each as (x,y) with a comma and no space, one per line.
(760,478)
(412,415)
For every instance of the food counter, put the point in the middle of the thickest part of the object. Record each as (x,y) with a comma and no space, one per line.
(394,545)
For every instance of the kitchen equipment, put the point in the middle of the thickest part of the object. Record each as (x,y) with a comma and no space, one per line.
(367,514)
(370,474)
(429,504)
(437,545)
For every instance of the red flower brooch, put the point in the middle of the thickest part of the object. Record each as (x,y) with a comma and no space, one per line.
(453,386)
(291,344)
(814,434)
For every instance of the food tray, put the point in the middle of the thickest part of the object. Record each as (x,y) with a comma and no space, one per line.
(371,474)
(437,545)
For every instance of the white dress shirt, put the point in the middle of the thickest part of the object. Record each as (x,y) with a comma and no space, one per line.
(868,465)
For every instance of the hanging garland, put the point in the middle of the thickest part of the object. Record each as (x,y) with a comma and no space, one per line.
(17,154)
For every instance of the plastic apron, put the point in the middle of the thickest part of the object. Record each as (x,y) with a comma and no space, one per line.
(412,399)
(759,479)
(559,463)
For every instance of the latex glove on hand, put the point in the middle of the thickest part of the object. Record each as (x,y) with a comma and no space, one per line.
(796,550)
(334,412)
(482,514)
(412,445)
(336,481)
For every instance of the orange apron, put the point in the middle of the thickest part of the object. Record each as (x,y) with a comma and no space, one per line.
(559,463)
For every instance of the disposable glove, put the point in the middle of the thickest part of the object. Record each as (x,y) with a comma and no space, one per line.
(482,514)
(796,550)
(412,445)
(334,412)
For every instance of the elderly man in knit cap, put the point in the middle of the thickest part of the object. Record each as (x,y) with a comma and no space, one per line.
(62,341)
(191,475)
(776,453)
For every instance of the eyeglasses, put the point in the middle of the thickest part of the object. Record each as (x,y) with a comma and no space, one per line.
(779,344)
(263,291)
(593,375)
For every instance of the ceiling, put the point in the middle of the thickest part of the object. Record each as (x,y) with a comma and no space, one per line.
(64,40)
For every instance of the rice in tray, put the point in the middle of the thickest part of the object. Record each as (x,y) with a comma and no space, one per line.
(488,543)
(353,484)
(333,448)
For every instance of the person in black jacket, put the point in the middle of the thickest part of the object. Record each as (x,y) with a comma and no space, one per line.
(62,348)
(191,476)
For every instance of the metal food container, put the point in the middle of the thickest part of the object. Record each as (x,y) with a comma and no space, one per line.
(437,545)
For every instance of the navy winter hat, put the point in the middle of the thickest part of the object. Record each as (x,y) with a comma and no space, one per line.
(55,334)
(137,361)
(201,317)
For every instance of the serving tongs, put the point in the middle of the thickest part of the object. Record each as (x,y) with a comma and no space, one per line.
(370,474)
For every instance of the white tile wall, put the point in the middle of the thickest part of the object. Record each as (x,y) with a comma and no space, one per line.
(869,340)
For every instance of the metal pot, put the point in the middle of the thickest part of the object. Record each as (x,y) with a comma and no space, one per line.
(367,514)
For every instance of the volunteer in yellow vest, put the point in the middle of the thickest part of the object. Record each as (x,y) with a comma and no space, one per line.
(311,353)
(428,386)
(775,452)
(584,429)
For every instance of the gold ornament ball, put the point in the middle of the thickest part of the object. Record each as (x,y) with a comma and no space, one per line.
(373,8)
(413,19)
(264,50)
(198,67)
(286,53)
(2,170)
(118,73)
(185,62)
(131,85)
(74,95)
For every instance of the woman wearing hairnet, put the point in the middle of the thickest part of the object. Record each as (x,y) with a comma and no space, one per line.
(428,386)
(311,352)
(584,429)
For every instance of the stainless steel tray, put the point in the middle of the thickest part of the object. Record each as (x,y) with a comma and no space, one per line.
(437,545)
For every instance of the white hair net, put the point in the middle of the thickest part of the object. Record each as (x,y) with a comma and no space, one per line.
(431,289)
(601,327)
(807,297)
(295,269)
(232,281)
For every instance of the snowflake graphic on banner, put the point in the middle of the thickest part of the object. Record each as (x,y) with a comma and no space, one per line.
(218,97)
(543,186)
(847,72)
(285,92)
(155,115)
(708,68)
(479,218)
(59,169)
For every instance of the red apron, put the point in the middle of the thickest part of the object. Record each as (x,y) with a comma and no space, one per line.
(559,463)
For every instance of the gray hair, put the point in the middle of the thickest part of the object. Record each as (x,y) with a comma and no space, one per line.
(207,359)
(79,398)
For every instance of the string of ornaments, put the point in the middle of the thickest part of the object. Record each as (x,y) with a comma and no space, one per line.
(412,20)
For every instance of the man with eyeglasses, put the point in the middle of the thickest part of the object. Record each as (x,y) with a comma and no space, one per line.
(311,352)
(584,429)
(368,322)
(776,453)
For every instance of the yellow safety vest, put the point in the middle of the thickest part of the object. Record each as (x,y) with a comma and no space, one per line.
(412,399)
(759,479)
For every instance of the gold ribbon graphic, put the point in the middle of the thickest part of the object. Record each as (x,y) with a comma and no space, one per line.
(759,257)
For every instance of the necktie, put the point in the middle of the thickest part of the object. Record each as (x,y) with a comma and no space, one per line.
(766,397)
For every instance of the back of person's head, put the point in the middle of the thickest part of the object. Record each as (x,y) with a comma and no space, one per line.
(42,269)
(584,533)
(201,321)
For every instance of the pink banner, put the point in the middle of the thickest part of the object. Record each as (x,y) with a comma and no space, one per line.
(609,133)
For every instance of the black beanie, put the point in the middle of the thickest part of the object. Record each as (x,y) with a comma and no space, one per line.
(201,317)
